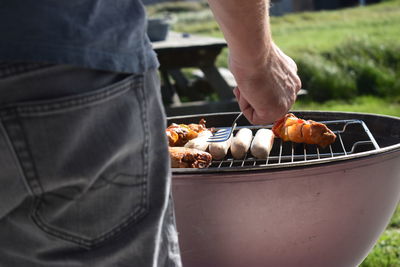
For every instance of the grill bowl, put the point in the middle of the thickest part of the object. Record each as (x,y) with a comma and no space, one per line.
(326,214)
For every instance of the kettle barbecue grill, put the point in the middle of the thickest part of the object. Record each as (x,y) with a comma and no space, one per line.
(302,206)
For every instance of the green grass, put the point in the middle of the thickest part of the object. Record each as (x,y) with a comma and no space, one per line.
(355,67)
(322,31)
(386,251)
(366,104)
(395,222)
(308,31)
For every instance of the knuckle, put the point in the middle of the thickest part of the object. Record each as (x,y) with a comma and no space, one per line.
(297,84)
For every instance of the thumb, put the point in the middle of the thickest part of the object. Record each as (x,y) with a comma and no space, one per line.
(236,92)
(244,105)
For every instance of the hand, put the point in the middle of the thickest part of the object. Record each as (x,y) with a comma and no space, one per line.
(266,91)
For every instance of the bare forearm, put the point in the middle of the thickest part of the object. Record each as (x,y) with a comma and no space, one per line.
(267,80)
(245,25)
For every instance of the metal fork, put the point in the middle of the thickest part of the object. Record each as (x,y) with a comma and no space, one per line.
(224,133)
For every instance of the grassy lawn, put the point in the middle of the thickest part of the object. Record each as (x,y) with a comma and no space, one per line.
(367,104)
(322,31)
(308,31)
(325,45)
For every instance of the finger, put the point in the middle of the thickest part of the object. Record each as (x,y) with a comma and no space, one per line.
(295,82)
(236,92)
(244,105)
(250,112)
(292,63)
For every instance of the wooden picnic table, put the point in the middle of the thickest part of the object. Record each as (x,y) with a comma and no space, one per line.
(181,50)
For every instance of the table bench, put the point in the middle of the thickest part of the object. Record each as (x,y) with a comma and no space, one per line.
(181,50)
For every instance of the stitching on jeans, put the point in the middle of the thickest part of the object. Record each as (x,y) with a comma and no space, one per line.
(27,110)
(15,157)
(142,207)
(34,181)
(146,142)
(18,140)
(146,146)
(134,216)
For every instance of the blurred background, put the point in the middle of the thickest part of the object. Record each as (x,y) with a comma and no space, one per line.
(348,55)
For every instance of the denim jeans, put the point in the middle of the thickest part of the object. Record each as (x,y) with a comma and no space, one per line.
(84,169)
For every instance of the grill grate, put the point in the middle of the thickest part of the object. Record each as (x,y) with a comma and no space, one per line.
(353,137)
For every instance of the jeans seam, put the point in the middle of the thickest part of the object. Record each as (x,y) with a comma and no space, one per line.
(134,216)
(12,123)
(146,141)
(31,110)
(16,158)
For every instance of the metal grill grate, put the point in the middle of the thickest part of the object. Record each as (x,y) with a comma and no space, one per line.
(353,137)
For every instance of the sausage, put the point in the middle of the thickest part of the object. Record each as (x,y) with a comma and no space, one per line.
(200,142)
(241,143)
(218,150)
(262,143)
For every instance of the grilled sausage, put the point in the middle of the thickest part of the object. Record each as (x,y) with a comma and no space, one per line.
(200,142)
(219,150)
(241,143)
(262,143)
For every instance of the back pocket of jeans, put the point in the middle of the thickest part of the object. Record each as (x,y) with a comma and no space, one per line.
(84,158)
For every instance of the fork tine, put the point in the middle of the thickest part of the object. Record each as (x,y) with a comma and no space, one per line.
(220,134)
(221,137)
(217,140)
(224,129)
(223,134)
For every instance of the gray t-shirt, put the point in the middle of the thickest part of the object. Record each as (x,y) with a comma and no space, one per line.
(100,34)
